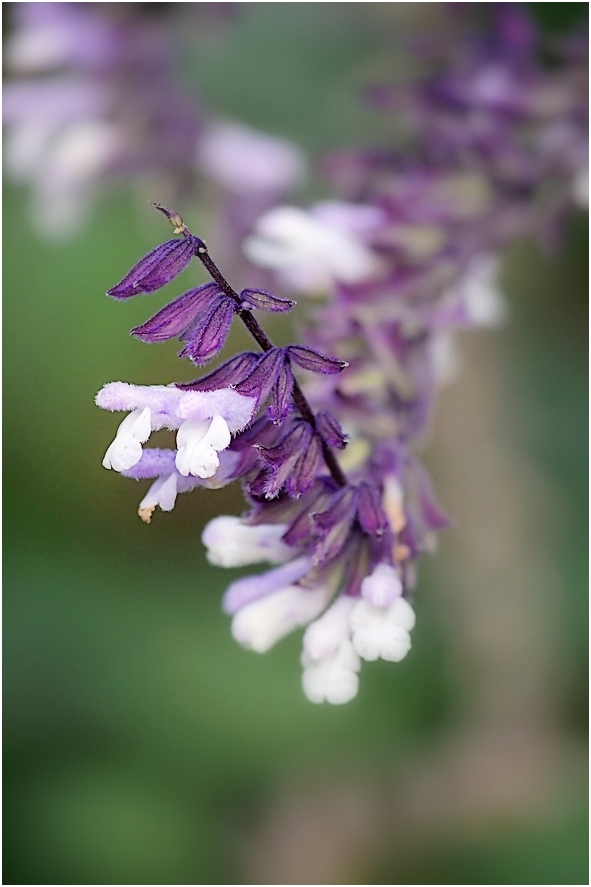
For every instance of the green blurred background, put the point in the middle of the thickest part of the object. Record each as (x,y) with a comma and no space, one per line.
(142,745)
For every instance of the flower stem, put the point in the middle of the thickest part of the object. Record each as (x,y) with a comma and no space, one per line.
(259,335)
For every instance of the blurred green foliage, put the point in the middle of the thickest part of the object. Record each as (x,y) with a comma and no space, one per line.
(140,740)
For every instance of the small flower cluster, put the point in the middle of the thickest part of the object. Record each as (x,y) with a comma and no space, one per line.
(337,541)
(339,502)
(94,99)
(412,253)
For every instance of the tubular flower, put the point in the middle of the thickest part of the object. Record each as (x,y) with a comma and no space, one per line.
(205,421)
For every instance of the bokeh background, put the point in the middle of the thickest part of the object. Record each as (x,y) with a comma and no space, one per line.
(142,745)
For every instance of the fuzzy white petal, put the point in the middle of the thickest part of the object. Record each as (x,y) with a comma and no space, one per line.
(382,587)
(323,636)
(232,543)
(382,632)
(126,449)
(198,444)
(261,624)
(334,678)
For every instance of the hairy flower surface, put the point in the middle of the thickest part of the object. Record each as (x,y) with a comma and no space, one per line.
(205,421)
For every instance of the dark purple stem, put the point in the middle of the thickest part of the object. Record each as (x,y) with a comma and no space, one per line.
(256,331)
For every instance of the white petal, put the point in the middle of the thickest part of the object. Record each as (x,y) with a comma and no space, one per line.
(204,461)
(395,644)
(323,636)
(332,679)
(483,298)
(195,456)
(192,431)
(163,492)
(402,614)
(126,449)
(380,632)
(310,252)
(382,587)
(231,543)
(219,436)
(261,624)
(198,443)
(124,453)
(138,424)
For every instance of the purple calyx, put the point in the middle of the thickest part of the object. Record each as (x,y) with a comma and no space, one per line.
(155,269)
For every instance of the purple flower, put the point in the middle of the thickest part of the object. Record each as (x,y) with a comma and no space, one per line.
(93,101)
(247,162)
(330,431)
(311,251)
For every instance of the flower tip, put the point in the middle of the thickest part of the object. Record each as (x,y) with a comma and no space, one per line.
(146,513)
(118,292)
(173,217)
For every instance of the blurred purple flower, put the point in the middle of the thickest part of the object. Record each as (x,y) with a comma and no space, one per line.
(93,99)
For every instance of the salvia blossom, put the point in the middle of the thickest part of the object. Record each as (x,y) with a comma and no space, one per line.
(249,419)
(311,249)
(324,435)
(247,162)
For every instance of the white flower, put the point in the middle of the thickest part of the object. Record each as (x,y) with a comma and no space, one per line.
(261,624)
(382,587)
(580,189)
(249,162)
(323,636)
(313,250)
(445,357)
(382,632)
(126,449)
(480,293)
(163,492)
(66,180)
(63,164)
(334,678)
(198,445)
(232,543)
(205,422)
(38,48)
